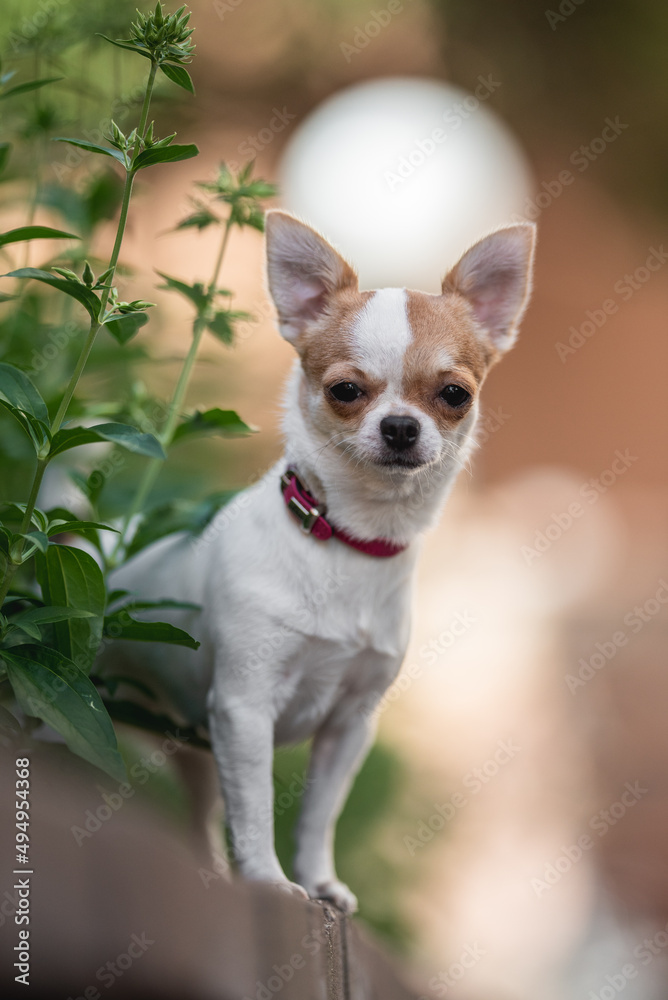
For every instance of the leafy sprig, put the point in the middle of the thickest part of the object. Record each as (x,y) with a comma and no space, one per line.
(165,40)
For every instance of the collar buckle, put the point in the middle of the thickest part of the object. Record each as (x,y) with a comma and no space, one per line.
(306,515)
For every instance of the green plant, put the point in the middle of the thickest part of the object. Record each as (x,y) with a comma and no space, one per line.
(56,605)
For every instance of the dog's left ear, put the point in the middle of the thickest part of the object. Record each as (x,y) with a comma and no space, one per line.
(494,276)
(304,272)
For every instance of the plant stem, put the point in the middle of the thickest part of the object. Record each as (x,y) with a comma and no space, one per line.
(154,466)
(25,524)
(92,331)
(219,259)
(113,261)
(76,375)
(165,437)
(34,490)
(39,158)
(198,329)
(141,131)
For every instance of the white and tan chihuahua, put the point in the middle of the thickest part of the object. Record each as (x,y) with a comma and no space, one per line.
(306,590)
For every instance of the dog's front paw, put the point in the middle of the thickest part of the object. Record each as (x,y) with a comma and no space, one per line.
(291,888)
(337,893)
(277,881)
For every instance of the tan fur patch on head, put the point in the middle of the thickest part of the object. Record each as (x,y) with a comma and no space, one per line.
(328,339)
(444,348)
(327,355)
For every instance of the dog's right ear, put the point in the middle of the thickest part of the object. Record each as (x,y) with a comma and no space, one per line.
(304,272)
(494,276)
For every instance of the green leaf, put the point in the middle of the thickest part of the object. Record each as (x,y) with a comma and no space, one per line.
(84,295)
(48,685)
(252,217)
(39,518)
(35,539)
(122,626)
(14,510)
(37,431)
(66,272)
(201,219)
(71,578)
(261,189)
(21,595)
(5,150)
(93,147)
(221,326)
(29,621)
(132,605)
(121,434)
(24,88)
(159,143)
(28,628)
(228,423)
(17,390)
(34,233)
(124,328)
(21,398)
(164,154)
(49,614)
(117,595)
(195,293)
(178,75)
(59,527)
(130,46)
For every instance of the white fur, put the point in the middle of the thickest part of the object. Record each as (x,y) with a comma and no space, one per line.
(299,637)
(382,334)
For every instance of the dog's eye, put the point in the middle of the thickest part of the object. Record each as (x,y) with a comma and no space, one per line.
(455,395)
(345,392)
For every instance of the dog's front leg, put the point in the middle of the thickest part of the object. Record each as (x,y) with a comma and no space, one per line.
(242,736)
(339,747)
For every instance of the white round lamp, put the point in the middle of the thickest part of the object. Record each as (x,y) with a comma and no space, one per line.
(403,174)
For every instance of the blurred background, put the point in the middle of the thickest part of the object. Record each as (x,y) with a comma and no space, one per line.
(508,835)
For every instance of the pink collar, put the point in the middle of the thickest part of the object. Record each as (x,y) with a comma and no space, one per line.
(305,508)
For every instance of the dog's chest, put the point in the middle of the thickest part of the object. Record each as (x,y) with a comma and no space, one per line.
(348,634)
(323,676)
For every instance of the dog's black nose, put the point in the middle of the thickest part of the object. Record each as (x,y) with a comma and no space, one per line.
(399,432)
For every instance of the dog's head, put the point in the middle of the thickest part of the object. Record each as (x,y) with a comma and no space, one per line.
(393,376)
